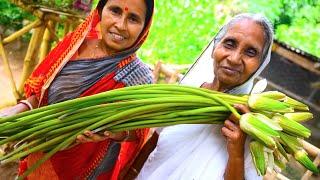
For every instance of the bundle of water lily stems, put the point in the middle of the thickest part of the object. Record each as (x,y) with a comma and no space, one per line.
(273,124)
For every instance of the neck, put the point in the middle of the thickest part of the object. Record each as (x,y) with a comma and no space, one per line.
(94,49)
(103,47)
(100,47)
(218,86)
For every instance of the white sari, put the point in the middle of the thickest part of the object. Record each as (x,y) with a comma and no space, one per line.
(197,152)
(191,152)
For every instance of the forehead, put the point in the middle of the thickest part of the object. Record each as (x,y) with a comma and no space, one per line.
(137,6)
(247,31)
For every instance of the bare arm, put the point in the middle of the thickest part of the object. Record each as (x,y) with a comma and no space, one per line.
(20,107)
(235,146)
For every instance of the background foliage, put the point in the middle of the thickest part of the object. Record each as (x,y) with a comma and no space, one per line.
(182,28)
(11,17)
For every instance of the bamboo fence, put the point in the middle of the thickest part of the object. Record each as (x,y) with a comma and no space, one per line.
(43,30)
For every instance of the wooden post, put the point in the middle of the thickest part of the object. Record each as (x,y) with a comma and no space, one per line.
(52,30)
(156,71)
(310,148)
(170,74)
(22,31)
(9,72)
(71,27)
(30,58)
(74,26)
(45,45)
(272,175)
(66,29)
(173,78)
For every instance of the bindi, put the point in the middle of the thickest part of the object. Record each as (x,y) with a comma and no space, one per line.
(126,8)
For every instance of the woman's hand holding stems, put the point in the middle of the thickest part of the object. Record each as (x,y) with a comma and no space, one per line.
(236,139)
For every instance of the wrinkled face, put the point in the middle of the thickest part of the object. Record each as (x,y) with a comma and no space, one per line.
(122,21)
(237,55)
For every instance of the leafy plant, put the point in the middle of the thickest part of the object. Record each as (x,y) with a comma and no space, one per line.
(182,29)
(11,16)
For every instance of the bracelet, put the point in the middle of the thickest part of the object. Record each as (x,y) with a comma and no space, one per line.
(27,103)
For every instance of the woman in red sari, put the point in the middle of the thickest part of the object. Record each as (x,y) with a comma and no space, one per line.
(98,56)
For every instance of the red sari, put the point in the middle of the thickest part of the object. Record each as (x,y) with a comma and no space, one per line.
(81,160)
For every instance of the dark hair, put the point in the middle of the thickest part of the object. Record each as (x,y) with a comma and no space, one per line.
(149,4)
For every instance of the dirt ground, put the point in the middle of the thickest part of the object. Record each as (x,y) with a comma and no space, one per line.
(15,53)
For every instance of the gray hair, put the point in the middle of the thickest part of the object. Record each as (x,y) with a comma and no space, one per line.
(259,19)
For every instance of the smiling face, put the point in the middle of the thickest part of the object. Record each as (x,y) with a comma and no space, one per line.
(122,21)
(237,56)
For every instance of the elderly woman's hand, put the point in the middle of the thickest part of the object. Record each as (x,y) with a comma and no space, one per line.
(235,136)
(89,136)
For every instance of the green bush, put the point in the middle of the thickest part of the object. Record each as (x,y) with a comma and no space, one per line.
(11,17)
(297,23)
(182,28)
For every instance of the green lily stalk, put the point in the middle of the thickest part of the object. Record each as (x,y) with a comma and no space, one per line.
(54,127)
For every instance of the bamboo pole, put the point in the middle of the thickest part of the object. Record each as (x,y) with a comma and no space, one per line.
(63,12)
(166,71)
(57,18)
(45,45)
(173,78)
(30,59)
(156,71)
(22,31)
(9,72)
(281,177)
(35,9)
(74,25)
(272,175)
(310,148)
(52,30)
(66,29)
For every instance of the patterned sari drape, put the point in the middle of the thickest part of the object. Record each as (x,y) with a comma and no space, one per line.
(80,161)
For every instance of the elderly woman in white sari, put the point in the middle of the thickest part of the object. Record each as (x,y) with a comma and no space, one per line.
(240,51)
